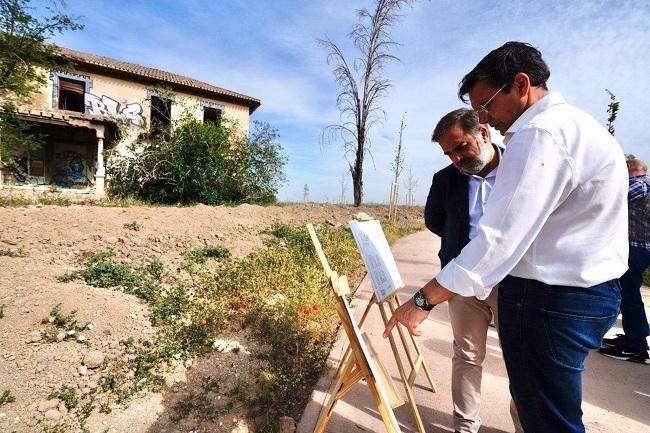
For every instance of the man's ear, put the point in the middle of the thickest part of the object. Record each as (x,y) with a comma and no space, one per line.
(485,133)
(521,83)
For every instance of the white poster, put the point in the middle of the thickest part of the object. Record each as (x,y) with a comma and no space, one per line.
(377,256)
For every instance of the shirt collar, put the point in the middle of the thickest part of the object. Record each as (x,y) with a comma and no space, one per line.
(553,98)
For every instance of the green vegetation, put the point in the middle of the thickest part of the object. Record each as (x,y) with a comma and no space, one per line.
(277,294)
(198,162)
(646,277)
(66,323)
(11,253)
(132,226)
(7,397)
(2,311)
(66,394)
(202,254)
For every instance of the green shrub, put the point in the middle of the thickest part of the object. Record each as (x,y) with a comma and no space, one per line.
(7,397)
(132,226)
(201,163)
(173,303)
(67,394)
(11,253)
(202,254)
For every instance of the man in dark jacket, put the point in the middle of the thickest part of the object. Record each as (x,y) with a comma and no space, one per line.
(455,204)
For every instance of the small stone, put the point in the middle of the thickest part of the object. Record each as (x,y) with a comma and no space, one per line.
(34,337)
(94,359)
(60,336)
(46,405)
(90,326)
(188,363)
(83,370)
(81,338)
(287,425)
(53,415)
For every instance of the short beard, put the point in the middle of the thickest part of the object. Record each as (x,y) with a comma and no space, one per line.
(478,163)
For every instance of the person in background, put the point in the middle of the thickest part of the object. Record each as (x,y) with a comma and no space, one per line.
(633,344)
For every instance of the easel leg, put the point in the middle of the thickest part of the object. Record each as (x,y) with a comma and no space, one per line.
(405,382)
(420,357)
(326,412)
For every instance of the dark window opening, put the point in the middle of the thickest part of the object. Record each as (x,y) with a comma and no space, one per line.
(71,95)
(161,117)
(212,115)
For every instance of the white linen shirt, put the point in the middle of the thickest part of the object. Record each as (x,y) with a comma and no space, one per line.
(479,191)
(557,212)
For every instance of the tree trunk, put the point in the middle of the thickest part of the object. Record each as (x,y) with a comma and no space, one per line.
(357,173)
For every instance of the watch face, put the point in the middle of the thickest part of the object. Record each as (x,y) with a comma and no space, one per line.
(419,299)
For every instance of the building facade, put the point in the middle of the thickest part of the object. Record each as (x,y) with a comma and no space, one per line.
(104,103)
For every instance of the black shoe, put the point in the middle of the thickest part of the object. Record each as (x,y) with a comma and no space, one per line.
(614,342)
(640,356)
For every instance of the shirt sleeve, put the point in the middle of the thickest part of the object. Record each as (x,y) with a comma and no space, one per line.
(535,175)
(638,189)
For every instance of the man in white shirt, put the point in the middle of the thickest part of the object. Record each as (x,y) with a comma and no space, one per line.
(554,233)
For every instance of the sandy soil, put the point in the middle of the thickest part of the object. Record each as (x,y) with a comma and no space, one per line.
(53,238)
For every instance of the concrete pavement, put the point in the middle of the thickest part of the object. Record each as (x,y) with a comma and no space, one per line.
(616,393)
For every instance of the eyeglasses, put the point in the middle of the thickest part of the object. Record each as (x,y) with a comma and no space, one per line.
(483,108)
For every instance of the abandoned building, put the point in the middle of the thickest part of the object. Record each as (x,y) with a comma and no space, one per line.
(79,112)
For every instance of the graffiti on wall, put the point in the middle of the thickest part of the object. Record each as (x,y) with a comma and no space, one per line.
(107,106)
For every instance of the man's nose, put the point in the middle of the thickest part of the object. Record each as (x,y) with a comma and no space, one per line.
(456,158)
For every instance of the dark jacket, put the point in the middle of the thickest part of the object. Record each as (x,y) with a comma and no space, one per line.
(447,211)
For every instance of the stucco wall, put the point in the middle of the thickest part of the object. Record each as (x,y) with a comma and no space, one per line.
(129,101)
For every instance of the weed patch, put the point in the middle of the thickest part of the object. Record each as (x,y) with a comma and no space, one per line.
(67,395)
(198,256)
(67,324)
(279,294)
(2,311)
(6,397)
(13,253)
(132,226)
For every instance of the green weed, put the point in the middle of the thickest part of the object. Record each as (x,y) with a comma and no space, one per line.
(7,397)
(132,226)
(66,394)
(13,253)
(66,323)
(202,254)
(2,311)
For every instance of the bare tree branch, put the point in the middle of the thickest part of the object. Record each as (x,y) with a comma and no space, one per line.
(361,84)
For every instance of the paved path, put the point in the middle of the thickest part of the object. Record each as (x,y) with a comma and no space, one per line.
(616,393)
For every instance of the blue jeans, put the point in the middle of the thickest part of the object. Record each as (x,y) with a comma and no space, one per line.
(546,333)
(635,322)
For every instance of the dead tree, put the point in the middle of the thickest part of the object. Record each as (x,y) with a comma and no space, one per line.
(362,84)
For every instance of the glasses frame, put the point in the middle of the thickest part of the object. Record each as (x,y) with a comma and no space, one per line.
(483,108)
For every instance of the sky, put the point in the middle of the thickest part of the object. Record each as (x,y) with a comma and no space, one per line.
(269,50)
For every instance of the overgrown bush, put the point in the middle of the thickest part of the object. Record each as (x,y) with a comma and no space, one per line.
(201,163)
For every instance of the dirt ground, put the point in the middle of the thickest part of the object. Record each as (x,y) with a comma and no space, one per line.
(52,238)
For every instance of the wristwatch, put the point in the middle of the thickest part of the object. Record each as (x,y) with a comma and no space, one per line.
(421,301)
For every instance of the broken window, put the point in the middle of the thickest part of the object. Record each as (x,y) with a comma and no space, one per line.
(161,114)
(71,95)
(212,115)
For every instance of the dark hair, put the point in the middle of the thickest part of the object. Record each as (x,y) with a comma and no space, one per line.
(500,66)
(465,117)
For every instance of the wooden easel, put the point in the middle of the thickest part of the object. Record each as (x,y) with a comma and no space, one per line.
(357,365)
(415,364)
